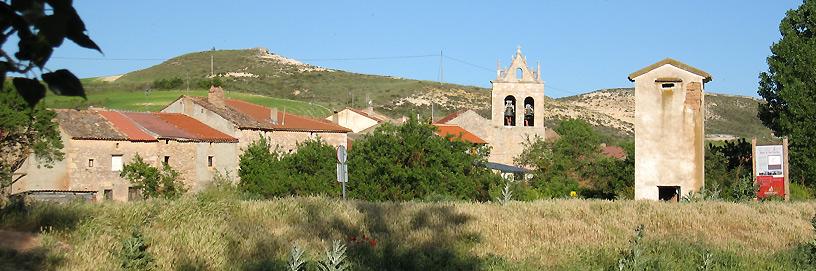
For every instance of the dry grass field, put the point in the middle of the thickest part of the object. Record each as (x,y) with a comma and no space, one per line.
(214,231)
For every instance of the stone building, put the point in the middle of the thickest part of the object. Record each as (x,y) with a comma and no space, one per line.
(357,120)
(97,144)
(248,122)
(669,130)
(516,111)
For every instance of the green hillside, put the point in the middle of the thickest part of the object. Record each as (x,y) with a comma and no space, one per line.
(259,72)
(156,100)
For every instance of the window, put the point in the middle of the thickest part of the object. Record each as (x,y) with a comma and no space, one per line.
(116,162)
(519,73)
(167,159)
(108,194)
(134,193)
(167,141)
(90,162)
(210,161)
(116,146)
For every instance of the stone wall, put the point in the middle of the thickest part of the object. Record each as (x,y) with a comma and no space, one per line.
(352,120)
(191,160)
(287,141)
(669,139)
(76,173)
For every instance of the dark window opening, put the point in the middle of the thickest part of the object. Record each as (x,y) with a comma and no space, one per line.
(90,162)
(166,160)
(510,111)
(668,193)
(108,194)
(667,85)
(529,111)
(210,161)
(134,193)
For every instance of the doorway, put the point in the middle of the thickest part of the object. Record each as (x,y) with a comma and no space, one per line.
(668,193)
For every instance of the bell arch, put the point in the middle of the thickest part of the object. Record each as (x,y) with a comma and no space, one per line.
(529,111)
(510,110)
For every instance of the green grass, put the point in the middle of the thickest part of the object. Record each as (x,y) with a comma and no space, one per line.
(156,100)
(216,231)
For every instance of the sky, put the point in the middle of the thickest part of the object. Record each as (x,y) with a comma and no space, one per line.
(582,45)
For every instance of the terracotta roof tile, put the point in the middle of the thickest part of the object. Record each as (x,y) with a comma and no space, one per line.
(456,131)
(177,127)
(126,126)
(196,128)
(286,121)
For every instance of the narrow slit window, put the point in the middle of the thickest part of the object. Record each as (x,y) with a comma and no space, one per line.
(90,162)
(210,161)
(667,85)
(167,160)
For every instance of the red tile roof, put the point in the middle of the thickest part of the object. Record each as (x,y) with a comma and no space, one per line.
(614,152)
(177,127)
(196,128)
(456,131)
(450,117)
(126,126)
(286,122)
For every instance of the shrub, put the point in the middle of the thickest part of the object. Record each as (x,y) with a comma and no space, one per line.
(134,254)
(267,172)
(411,161)
(153,182)
(172,83)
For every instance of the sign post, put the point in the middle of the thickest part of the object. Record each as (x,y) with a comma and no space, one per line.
(342,167)
(771,170)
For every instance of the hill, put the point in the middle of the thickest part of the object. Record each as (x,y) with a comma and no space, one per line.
(257,71)
(727,116)
(213,232)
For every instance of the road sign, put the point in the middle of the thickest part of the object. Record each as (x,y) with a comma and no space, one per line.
(342,155)
(342,173)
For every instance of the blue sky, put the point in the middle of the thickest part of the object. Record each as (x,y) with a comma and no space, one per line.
(582,45)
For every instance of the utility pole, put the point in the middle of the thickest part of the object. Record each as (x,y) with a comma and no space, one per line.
(212,67)
(441,79)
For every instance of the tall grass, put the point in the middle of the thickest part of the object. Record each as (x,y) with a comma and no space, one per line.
(217,231)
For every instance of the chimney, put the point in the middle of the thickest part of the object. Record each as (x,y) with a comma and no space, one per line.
(336,117)
(216,96)
(273,115)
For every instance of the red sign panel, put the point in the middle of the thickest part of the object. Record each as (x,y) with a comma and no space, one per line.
(770,186)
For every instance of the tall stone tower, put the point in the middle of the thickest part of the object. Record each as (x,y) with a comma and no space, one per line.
(669,130)
(518,95)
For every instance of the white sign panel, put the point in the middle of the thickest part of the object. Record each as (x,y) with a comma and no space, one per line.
(769,160)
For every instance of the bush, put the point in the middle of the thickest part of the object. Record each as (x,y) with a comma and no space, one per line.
(173,83)
(152,181)
(800,192)
(268,172)
(411,161)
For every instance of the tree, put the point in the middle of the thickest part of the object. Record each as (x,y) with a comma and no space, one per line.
(411,161)
(41,26)
(789,89)
(575,162)
(268,172)
(152,181)
(25,131)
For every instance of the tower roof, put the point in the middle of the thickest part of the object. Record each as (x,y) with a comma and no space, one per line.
(670,61)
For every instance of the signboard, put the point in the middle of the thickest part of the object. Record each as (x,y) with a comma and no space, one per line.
(342,155)
(342,167)
(770,168)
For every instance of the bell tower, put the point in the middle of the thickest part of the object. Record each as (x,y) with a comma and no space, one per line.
(517,95)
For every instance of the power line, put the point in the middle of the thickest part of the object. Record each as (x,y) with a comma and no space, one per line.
(108,59)
(366,58)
